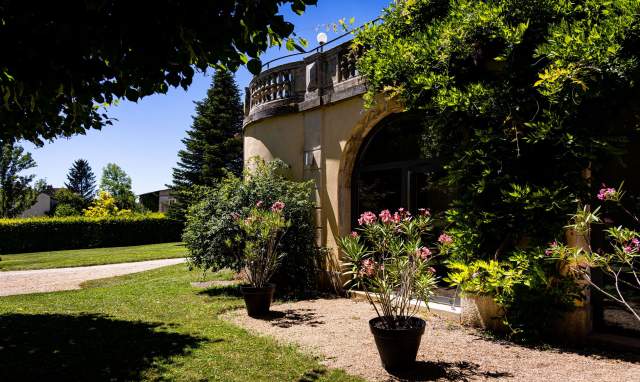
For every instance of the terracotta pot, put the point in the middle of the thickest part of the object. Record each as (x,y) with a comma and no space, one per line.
(398,348)
(258,300)
(482,312)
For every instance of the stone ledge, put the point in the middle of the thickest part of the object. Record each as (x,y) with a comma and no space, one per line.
(448,312)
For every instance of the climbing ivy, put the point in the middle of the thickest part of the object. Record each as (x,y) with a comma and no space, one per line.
(518,99)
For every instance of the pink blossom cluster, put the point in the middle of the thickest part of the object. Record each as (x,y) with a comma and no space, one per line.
(606,193)
(354,234)
(235,215)
(445,239)
(423,253)
(552,247)
(632,246)
(424,211)
(277,206)
(368,268)
(367,218)
(259,203)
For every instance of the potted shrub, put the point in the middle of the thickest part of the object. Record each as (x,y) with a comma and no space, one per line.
(262,228)
(388,260)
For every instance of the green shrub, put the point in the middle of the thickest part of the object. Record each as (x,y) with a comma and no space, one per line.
(64,209)
(211,231)
(76,232)
(530,287)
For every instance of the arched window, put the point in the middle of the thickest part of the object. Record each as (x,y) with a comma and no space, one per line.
(392,170)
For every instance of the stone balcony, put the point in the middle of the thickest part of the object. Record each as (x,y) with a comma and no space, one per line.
(319,79)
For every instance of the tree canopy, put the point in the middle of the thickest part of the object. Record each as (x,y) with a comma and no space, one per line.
(521,101)
(117,184)
(16,191)
(62,64)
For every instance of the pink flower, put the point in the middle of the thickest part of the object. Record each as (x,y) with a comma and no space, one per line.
(628,249)
(445,239)
(396,218)
(423,253)
(385,216)
(367,218)
(606,193)
(424,211)
(277,206)
(354,234)
(432,270)
(235,215)
(552,247)
(368,268)
(259,203)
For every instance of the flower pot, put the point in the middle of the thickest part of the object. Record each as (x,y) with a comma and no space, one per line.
(482,312)
(258,300)
(398,348)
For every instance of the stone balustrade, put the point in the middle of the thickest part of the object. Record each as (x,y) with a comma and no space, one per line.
(318,79)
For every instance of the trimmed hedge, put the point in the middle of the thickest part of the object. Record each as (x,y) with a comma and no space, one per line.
(78,232)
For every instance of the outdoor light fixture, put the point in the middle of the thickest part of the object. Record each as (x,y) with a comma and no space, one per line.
(321,38)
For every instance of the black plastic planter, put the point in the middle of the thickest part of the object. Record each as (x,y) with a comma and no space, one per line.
(258,300)
(398,348)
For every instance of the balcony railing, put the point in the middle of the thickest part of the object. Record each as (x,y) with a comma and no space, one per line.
(321,78)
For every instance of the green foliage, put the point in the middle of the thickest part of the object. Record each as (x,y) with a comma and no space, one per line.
(530,286)
(69,201)
(64,209)
(391,260)
(81,180)
(117,183)
(261,231)
(211,229)
(518,98)
(16,192)
(213,145)
(50,234)
(59,83)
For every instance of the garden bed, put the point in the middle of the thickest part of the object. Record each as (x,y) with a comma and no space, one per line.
(337,330)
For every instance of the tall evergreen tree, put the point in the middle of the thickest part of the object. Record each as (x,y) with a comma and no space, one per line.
(81,180)
(213,145)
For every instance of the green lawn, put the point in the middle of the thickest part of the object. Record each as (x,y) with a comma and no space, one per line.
(146,326)
(94,256)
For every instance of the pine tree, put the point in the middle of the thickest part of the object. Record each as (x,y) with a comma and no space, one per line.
(81,180)
(213,145)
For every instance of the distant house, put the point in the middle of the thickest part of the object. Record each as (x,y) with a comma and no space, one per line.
(45,203)
(157,201)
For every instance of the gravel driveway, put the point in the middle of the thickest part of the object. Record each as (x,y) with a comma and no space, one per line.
(337,330)
(51,280)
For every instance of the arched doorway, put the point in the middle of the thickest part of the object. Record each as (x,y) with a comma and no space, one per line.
(392,170)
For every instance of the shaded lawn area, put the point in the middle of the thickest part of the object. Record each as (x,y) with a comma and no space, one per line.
(93,256)
(147,326)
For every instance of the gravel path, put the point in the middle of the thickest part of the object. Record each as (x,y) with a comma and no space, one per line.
(337,330)
(51,280)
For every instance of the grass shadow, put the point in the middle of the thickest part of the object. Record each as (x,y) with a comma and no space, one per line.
(445,371)
(87,347)
(222,291)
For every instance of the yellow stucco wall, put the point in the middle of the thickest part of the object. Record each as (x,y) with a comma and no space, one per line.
(332,135)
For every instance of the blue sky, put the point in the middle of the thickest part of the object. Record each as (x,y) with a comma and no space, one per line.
(145,139)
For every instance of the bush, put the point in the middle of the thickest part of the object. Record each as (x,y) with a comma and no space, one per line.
(69,198)
(211,231)
(530,287)
(50,234)
(64,209)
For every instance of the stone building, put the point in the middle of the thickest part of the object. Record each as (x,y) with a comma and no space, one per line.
(311,114)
